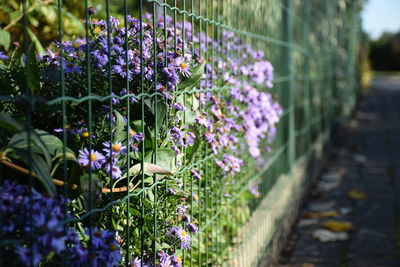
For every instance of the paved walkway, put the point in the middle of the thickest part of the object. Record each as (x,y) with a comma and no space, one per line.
(367,158)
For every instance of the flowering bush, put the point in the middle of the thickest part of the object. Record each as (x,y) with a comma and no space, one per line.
(204,103)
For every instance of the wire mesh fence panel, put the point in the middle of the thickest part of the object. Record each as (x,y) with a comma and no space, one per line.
(158,133)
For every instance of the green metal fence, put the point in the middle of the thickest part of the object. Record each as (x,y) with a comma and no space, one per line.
(311,44)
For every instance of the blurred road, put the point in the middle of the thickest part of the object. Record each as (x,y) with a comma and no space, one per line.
(365,161)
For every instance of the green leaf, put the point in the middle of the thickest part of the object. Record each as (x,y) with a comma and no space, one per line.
(5,39)
(165,158)
(36,42)
(33,70)
(161,113)
(23,140)
(93,191)
(191,150)
(9,123)
(120,129)
(190,103)
(40,168)
(149,169)
(53,143)
(194,79)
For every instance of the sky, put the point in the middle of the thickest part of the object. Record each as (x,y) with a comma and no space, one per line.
(381,15)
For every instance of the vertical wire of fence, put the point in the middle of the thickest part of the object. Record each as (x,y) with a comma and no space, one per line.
(117,125)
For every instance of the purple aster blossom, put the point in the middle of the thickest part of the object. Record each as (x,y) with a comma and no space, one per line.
(113,170)
(91,11)
(163,91)
(210,137)
(195,174)
(163,256)
(46,235)
(132,99)
(178,106)
(176,261)
(190,139)
(170,76)
(182,66)
(180,234)
(186,218)
(179,183)
(254,190)
(3,56)
(202,120)
(165,263)
(100,58)
(136,137)
(171,191)
(181,209)
(70,67)
(134,147)
(120,68)
(95,158)
(192,228)
(176,149)
(114,100)
(115,149)
(27,255)
(136,262)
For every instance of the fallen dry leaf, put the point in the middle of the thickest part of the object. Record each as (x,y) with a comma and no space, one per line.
(322,205)
(321,214)
(307,222)
(356,193)
(324,235)
(338,226)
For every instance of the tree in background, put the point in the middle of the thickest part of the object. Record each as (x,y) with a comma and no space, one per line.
(385,52)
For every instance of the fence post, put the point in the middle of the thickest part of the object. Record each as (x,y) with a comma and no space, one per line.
(288,69)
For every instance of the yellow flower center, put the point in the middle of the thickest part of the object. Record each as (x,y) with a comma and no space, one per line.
(116,148)
(75,45)
(184,65)
(132,132)
(85,134)
(184,233)
(93,157)
(97,30)
(179,259)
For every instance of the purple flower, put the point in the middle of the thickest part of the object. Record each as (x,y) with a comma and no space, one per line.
(120,68)
(95,158)
(195,174)
(182,66)
(91,10)
(115,149)
(100,58)
(176,149)
(3,56)
(192,228)
(190,138)
(186,218)
(178,106)
(181,209)
(136,137)
(113,170)
(70,67)
(136,263)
